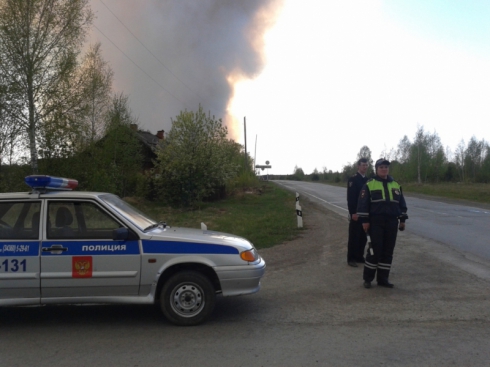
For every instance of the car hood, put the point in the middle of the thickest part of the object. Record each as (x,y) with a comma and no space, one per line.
(180,234)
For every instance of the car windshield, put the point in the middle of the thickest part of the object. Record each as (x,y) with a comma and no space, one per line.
(129,212)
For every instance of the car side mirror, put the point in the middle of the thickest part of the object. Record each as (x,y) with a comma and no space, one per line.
(120,234)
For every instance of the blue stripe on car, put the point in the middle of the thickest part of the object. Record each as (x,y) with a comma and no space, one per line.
(19,248)
(174,247)
(74,248)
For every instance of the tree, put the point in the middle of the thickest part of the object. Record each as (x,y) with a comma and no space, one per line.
(315,176)
(420,150)
(96,77)
(9,132)
(39,44)
(460,155)
(194,162)
(351,168)
(474,156)
(390,155)
(436,157)
(485,172)
(364,152)
(348,170)
(118,154)
(298,174)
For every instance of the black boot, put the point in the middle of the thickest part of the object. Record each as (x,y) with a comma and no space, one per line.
(386,284)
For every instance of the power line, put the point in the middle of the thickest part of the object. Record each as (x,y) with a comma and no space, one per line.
(148,75)
(147,49)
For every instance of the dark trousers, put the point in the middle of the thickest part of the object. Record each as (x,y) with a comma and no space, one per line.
(383,231)
(357,242)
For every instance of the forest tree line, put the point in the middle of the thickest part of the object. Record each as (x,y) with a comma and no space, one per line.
(420,160)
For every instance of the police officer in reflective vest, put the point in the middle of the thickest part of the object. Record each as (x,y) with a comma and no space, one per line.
(382,211)
(357,236)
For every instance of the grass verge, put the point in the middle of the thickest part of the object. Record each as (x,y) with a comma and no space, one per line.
(265,216)
(463,191)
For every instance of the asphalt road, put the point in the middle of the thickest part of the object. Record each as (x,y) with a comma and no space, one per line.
(463,227)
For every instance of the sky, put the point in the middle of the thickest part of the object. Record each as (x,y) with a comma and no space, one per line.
(315,80)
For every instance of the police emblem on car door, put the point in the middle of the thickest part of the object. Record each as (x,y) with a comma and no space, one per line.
(79,257)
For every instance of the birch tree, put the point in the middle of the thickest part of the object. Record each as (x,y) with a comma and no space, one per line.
(40,41)
(97,84)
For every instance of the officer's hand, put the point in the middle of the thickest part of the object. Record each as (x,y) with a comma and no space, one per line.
(354,217)
(365,226)
(401,227)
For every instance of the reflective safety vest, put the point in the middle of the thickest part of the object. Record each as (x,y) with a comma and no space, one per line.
(378,192)
(381,197)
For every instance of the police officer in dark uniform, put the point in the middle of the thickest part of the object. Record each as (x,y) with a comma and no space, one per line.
(382,211)
(357,235)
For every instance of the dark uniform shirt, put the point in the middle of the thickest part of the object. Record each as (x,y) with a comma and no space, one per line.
(354,186)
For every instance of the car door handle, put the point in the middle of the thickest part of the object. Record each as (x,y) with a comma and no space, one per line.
(55,249)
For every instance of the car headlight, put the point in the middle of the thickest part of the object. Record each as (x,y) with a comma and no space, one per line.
(250,255)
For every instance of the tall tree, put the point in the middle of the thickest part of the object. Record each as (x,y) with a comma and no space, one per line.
(97,78)
(460,155)
(403,151)
(364,152)
(436,157)
(474,157)
(9,132)
(420,151)
(39,44)
(119,155)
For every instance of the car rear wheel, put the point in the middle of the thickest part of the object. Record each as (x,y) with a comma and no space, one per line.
(187,298)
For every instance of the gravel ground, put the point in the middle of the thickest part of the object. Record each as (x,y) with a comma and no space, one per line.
(437,314)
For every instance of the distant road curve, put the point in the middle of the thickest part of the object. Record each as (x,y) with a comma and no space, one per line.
(463,227)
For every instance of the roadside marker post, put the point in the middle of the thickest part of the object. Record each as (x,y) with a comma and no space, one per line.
(299,212)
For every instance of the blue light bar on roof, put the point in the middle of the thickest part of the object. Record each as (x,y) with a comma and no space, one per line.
(51,182)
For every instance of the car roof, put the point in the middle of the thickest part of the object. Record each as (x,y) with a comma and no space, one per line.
(58,194)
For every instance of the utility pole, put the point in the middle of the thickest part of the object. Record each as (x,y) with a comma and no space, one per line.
(245,133)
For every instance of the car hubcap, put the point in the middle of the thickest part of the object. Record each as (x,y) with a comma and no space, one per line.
(187,300)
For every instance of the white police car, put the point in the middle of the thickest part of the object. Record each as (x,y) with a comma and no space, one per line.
(62,246)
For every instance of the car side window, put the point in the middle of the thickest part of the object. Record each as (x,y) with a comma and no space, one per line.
(62,221)
(79,220)
(19,220)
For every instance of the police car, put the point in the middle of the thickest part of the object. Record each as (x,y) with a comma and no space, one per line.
(62,246)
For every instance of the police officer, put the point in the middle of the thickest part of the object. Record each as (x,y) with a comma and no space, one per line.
(357,235)
(381,206)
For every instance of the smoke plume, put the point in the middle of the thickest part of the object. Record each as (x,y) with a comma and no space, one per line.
(176,54)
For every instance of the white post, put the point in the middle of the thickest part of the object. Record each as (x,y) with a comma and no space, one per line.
(299,213)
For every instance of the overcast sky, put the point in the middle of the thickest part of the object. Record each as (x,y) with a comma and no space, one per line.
(315,79)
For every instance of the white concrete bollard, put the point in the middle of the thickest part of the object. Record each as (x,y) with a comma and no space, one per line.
(299,213)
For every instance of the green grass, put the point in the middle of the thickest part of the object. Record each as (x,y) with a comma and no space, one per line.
(461,191)
(265,216)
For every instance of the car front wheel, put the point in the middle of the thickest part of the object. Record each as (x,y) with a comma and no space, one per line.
(187,298)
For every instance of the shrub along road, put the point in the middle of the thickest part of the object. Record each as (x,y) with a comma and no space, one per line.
(312,310)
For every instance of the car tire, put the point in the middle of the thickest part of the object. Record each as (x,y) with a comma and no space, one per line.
(187,298)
